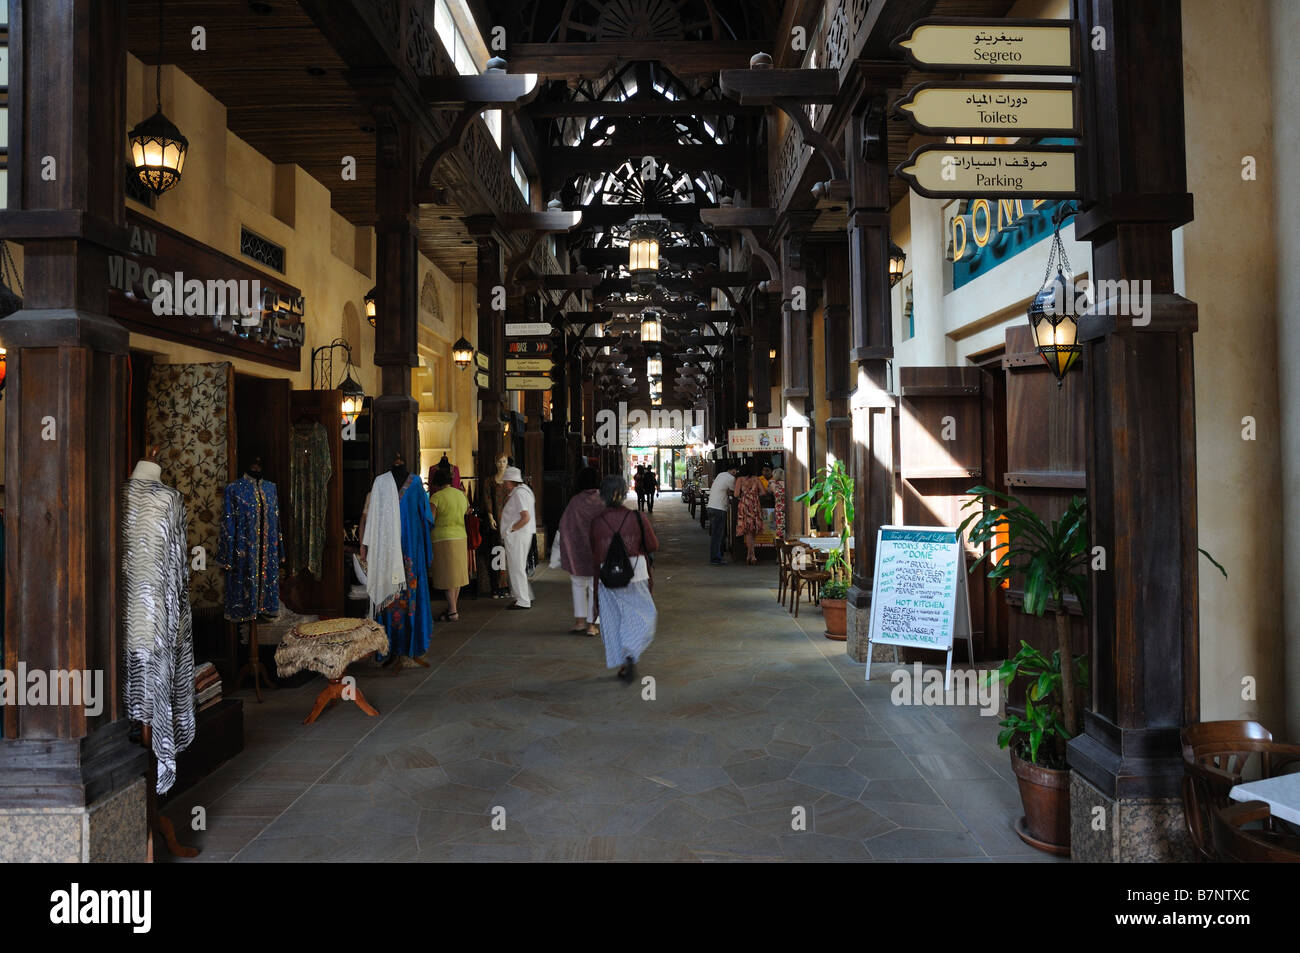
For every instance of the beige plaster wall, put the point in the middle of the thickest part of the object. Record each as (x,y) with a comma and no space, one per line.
(1283,27)
(1229,268)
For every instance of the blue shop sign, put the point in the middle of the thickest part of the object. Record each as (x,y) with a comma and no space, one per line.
(993,230)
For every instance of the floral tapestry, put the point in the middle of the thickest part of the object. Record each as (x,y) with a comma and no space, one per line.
(190,415)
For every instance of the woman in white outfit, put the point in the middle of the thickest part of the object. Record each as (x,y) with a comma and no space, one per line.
(518,527)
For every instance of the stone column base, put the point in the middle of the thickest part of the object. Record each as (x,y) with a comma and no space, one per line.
(1132,830)
(857,624)
(114,829)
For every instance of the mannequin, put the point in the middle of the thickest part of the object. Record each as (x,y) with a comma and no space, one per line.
(158,686)
(250,549)
(500,493)
(398,549)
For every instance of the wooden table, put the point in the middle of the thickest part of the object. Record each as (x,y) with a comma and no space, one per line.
(1281,794)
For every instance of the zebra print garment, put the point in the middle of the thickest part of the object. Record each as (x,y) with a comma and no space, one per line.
(159,641)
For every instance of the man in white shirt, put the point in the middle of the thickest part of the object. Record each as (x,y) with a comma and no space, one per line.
(719,503)
(518,526)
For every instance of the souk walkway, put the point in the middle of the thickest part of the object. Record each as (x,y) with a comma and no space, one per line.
(754,715)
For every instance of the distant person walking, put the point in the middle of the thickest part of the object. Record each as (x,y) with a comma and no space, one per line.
(627,613)
(574,548)
(749,519)
(719,503)
(518,527)
(450,554)
(638,484)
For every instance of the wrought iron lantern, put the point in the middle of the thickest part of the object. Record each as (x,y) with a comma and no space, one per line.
(158,148)
(896,262)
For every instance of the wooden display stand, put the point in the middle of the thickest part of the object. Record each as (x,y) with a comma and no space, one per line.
(253,668)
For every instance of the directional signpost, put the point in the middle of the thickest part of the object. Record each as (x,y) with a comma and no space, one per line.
(1021,109)
(532,364)
(528,383)
(942,171)
(533,329)
(538,347)
(1007,109)
(482,379)
(992,46)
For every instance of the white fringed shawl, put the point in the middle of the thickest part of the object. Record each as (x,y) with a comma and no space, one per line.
(159,683)
(385,571)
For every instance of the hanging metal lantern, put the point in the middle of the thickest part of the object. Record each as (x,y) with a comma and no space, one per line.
(462,352)
(1051,314)
(158,149)
(1056,329)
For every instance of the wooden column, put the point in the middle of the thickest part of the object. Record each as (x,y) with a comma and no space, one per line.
(65,419)
(872,405)
(761,366)
(491,328)
(837,340)
(534,462)
(1141,422)
(795,388)
(395,412)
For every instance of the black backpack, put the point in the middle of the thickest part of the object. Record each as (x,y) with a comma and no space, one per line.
(616,569)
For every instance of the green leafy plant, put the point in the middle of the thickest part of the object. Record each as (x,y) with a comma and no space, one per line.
(1043,718)
(835,590)
(1051,558)
(831,495)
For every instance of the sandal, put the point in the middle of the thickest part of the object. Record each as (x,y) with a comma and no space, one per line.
(592,630)
(577,630)
(448,617)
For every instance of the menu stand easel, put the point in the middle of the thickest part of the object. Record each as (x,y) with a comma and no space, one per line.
(159,826)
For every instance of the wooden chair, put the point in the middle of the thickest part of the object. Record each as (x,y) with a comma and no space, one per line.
(1234,844)
(812,579)
(1215,757)
(784,568)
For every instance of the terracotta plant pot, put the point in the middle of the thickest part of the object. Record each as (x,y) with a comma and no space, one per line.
(834,614)
(1045,795)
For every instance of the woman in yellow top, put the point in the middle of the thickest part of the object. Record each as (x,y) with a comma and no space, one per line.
(450,552)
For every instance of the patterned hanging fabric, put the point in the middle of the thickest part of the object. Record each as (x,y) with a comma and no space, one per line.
(310,471)
(159,644)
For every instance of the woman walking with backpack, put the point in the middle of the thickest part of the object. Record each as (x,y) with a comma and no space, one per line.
(621,543)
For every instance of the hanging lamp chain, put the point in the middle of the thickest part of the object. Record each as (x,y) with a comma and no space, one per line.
(158,72)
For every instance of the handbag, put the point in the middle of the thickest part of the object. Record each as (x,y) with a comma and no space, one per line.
(616,567)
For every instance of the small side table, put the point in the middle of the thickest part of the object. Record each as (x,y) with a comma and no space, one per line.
(329,647)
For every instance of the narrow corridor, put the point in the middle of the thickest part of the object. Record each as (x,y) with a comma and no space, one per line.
(754,722)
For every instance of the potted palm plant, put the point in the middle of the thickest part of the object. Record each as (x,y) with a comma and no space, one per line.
(1051,558)
(831,496)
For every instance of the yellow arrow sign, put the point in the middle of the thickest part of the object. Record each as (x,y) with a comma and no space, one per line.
(1023,109)
(992,46)
(1041,172)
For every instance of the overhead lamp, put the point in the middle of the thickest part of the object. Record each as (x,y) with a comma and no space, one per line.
(462,352)
(897,259)
(158,149)
(749,404)
(643,258)
(1056,331)
(771,354)
(652,328)
(369,299)
(654,367)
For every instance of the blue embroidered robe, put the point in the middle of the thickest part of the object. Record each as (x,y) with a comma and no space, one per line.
(409,617)
(251,549)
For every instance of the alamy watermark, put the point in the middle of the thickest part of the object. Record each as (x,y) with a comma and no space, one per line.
(1128,298)
(611,426)
(64,687)
(921,686)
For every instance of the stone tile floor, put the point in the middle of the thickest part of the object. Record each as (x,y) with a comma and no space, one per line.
(756,720)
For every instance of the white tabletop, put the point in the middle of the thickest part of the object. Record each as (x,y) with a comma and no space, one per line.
(823,542)
(1282,794)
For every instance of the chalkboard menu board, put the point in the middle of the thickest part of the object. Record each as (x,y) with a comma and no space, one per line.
(918,593)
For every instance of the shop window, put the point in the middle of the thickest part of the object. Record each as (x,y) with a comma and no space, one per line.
(261,250)
(909,312)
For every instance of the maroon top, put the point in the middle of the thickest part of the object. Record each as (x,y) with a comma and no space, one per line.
(575,533)
(607,523)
